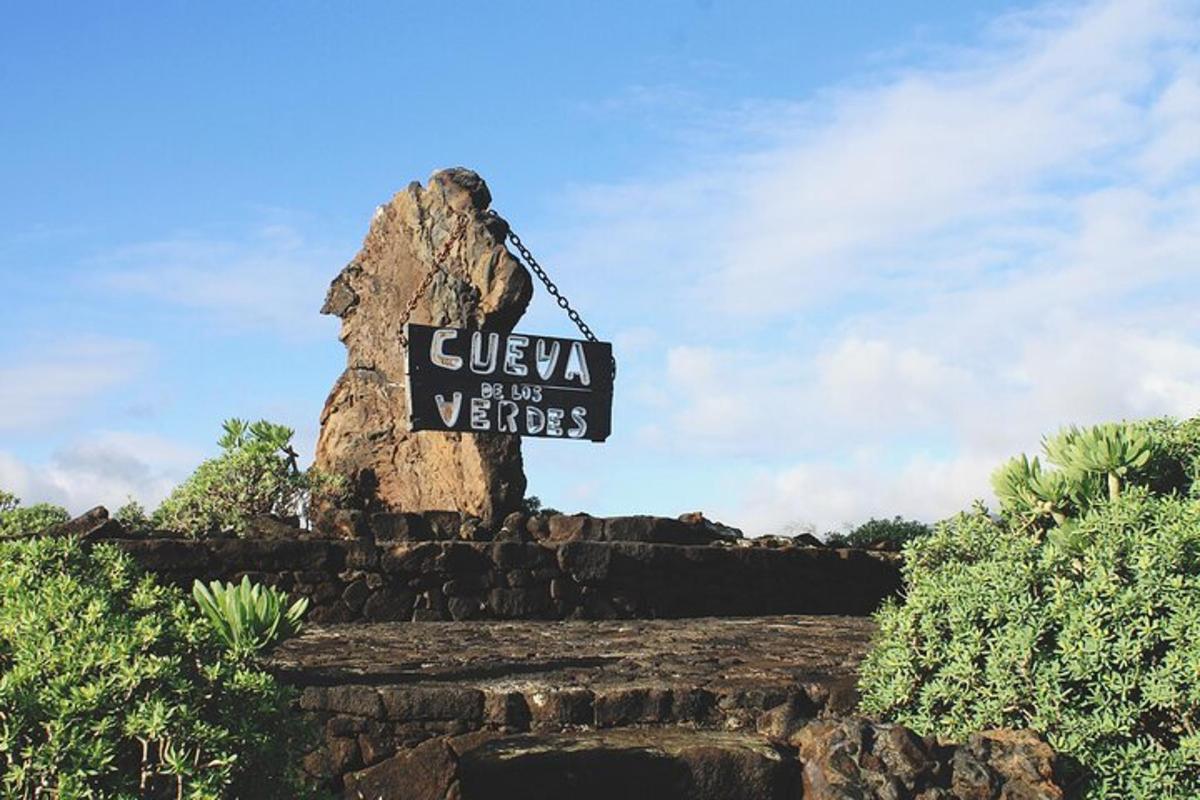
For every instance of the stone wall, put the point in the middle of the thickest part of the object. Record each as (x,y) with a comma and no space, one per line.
(353,581)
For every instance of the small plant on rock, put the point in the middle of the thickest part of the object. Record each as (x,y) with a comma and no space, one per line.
(249,617)
(133,517)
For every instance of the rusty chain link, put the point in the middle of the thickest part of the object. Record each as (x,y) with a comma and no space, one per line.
(438,261)
(527,256)
(563,303)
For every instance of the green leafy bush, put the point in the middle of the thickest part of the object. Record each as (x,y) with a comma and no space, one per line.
(1093,465)
(249,617)
(133,517)
(1079,619)
(114,686)
(16,520)
(255,474)
(890,533)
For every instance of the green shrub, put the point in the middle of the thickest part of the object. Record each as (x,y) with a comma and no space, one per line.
(1079,620)
(1094,464)
(894,532)
(255,474)
(17,520)
(114,686)
(133,517)
(249,617)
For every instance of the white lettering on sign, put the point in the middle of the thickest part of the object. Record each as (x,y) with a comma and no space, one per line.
(514,351)
(577,365)
(508,383)
(579,417)
(554,418)
(479,365)
(449,411)
(508,417)
(437,352)
(546,360)
(480,420)
(485,356)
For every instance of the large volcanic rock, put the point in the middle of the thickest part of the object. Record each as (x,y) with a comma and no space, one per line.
(364,426)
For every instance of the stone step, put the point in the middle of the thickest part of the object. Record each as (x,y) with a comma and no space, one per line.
(625,764)
(379,690)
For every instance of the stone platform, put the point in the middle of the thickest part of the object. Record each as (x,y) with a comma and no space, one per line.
(391,696)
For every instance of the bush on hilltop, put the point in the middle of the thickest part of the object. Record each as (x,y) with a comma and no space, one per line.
(255,474)
(18,520)
(1076,613)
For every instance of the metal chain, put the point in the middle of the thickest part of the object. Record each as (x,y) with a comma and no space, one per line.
(438,260)
(563,303)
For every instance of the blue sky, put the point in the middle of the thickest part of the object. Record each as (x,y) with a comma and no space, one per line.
(850,258)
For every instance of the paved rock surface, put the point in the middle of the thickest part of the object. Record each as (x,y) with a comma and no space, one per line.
(364,426)
(707,651)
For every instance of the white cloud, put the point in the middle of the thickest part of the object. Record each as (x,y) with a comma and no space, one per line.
(63,378)
(934,266)
(105,469)
(832,496)
(273,280)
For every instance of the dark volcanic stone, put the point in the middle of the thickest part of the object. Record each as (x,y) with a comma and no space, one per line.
(515,522)
(465,607)
(410,559)
(444,524)
(355,594)
(510,555)
(167,555)
(575,528)
(425,772)
(854,757)
(586,562)
(660,530)
(1024,764)
(340,523)
(782,721)
(358,701)
(408,703)
(91,524)
(524,603)
(386,605)
(635,764)
(269,555)
(269,526)
(559,708)
(389,528)
(621,707)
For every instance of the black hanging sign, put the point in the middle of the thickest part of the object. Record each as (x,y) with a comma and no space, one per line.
(516,383)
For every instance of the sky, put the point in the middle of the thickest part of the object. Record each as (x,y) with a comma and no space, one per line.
(851,258)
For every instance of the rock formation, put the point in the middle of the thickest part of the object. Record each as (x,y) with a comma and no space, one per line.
(364,425)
